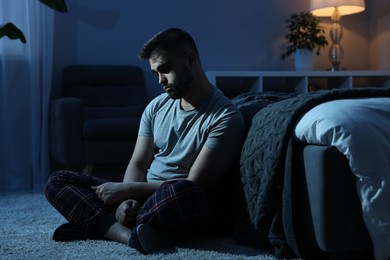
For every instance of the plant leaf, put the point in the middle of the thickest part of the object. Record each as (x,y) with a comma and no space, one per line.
(304,31)
(58,5)
(12,32)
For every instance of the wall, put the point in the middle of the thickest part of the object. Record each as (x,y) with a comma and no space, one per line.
(231,35)
(380,35)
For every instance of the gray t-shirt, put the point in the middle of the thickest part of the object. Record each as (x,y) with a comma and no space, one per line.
(180,135)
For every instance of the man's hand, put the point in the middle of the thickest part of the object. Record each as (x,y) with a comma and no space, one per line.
(126,213)
(111,193)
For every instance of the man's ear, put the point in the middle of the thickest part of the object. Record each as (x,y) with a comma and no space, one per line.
(191,57)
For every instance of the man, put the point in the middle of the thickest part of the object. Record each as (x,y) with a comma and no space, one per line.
(189,139)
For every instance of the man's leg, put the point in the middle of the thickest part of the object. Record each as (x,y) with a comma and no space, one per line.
(71,194)
(178,207)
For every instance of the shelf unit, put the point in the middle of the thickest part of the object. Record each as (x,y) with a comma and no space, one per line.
(233,83)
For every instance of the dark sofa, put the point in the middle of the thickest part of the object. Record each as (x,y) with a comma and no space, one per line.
(96,119)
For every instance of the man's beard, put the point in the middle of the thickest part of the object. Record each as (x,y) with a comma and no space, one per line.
(180,88)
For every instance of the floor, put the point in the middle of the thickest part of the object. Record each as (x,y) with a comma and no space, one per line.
(22,191)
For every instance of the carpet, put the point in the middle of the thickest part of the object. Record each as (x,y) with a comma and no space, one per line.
(27,222)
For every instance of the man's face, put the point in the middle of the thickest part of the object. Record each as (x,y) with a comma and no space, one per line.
(173,72)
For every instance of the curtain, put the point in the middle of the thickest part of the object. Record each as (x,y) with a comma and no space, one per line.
(25,84)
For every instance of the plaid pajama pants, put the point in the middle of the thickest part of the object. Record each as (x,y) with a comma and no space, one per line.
(179,205)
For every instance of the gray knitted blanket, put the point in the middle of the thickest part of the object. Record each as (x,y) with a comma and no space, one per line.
(265,167)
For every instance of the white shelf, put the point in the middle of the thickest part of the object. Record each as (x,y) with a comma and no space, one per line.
(233,83)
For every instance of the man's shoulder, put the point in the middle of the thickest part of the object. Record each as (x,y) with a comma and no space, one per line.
(224,105)
(158,101)
(160,98)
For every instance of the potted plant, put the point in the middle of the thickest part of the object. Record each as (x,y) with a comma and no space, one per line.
(13,32)
(305,35)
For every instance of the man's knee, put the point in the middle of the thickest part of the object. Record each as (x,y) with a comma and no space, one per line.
(177,204)
(59,176)
(54,180)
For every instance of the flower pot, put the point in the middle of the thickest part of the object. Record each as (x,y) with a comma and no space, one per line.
(304,59)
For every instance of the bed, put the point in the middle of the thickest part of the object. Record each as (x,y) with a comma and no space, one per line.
(315,172)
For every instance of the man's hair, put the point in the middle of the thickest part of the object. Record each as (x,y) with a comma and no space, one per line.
(170,40)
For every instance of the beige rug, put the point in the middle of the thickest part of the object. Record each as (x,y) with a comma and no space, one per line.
(27,222)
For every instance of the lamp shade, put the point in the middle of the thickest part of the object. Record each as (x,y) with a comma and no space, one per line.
(345,7)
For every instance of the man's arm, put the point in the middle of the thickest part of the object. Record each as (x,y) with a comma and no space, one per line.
(135,174)
(210,166)
(134,185)
(140,161)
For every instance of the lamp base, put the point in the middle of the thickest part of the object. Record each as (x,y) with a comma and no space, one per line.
(335,69)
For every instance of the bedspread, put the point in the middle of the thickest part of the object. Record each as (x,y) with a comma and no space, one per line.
(265,166)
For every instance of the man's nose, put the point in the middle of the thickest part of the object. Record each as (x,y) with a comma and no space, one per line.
(162,80)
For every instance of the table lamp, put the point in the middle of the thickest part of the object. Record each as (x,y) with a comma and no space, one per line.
(335,9)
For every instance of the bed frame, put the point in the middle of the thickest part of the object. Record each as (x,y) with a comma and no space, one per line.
(328,213)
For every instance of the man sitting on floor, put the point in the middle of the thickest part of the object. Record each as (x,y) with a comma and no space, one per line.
(189,139)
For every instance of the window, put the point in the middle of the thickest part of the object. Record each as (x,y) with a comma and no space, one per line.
(16,12)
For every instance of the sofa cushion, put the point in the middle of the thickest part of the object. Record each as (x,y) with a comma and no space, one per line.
(111,129)
(112,112)
(118,95)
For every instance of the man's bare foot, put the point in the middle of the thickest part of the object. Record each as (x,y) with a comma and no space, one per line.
(127,212)
(119,233)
